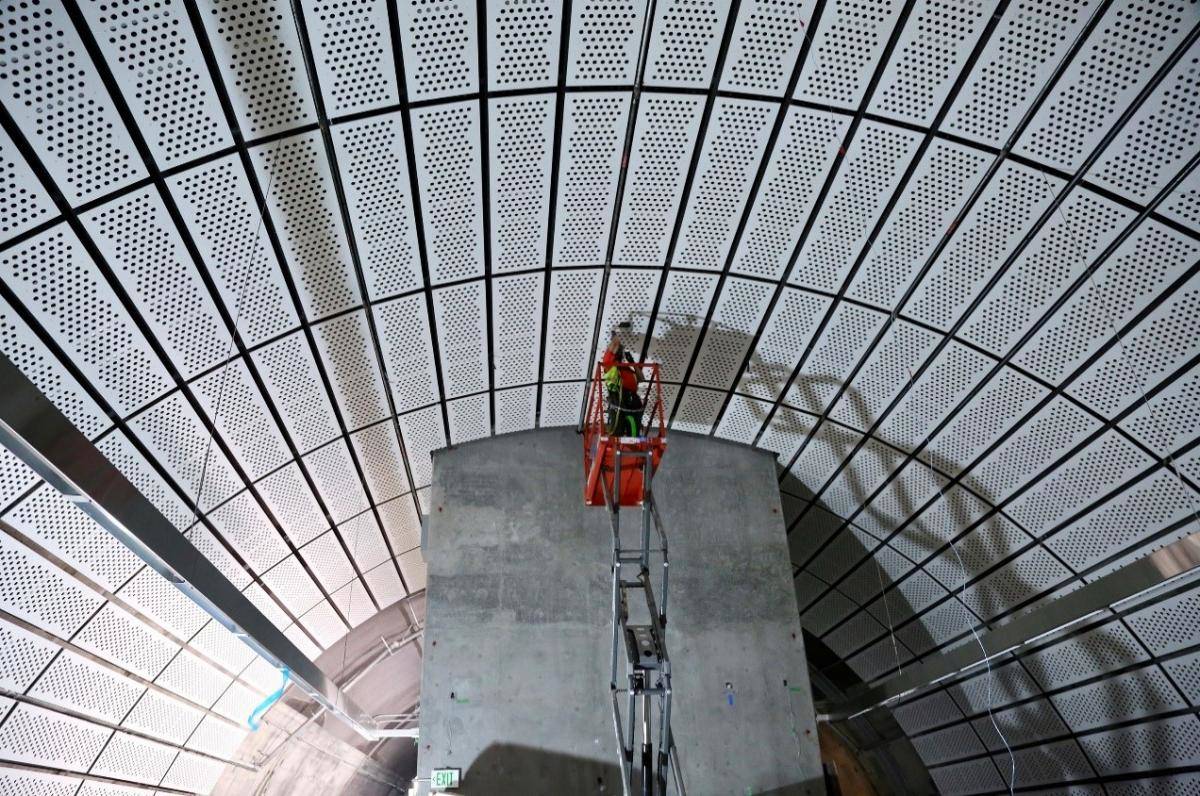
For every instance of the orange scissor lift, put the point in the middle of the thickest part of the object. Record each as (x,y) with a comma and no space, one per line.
(605,454)
(619,471)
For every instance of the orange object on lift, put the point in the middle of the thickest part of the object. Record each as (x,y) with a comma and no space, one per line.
(603,447)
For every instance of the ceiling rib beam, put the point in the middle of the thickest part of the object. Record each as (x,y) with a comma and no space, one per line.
(120,602)
(39,434)
(414,190)
(635,96)
(335,172)
(485,189)
(242,148)
(560,100)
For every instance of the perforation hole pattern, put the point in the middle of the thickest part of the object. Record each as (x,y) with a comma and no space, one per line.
(806,145)
(1122,53)
(591,141)
(874,162)
(25,204)
(666,133)
(852,34)
(526,42)
(376,173)
(36,735)
(980,245)
(1120,287)
(573,305)
(263,62)
(520,180)
(517,304)
(442,36)
(462,331)
(683,35)
(347,350)
(224,222)
(404,327)
(685,299)
(732,153)
(154,45)
(1032,36)
(380,457)
(27,353)
(604,40)
(1159,140)
(924,214)
(306,215)
(352,43)
(50,82)
(49,519)
(146,254)
(767,32)
(939,37)
(738,312)
(87,318)
(235,406)
(450,163)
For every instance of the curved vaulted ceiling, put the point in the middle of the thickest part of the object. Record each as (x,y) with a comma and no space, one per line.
(940,255)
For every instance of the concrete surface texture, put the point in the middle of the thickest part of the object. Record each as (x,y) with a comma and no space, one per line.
(515,679)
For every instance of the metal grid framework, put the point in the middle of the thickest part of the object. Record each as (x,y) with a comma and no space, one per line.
(941,257)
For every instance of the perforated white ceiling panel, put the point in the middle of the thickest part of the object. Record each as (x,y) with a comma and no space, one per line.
(941,258)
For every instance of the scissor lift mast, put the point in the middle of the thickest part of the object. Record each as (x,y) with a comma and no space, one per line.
(619,471)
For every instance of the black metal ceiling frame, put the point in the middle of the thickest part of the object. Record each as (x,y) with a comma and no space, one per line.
(560,93)
(34,323)
(157,178)
(1054,390)
(1105,425)
(560,100)
(456,99)
(149,162)
(514,92)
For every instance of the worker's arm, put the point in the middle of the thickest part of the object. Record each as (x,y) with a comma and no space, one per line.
(610,354)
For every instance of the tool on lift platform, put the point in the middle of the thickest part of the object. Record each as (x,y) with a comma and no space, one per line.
(620,459)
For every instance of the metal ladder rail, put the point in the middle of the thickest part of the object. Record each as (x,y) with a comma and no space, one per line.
(652,781)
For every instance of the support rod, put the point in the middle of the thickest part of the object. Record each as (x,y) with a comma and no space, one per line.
(38,434)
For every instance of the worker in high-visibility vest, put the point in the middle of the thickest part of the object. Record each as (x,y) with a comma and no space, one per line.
(621,380)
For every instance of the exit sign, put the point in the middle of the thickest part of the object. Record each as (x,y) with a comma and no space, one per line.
(445,778)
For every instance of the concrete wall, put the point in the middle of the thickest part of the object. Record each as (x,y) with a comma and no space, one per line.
(515,682)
